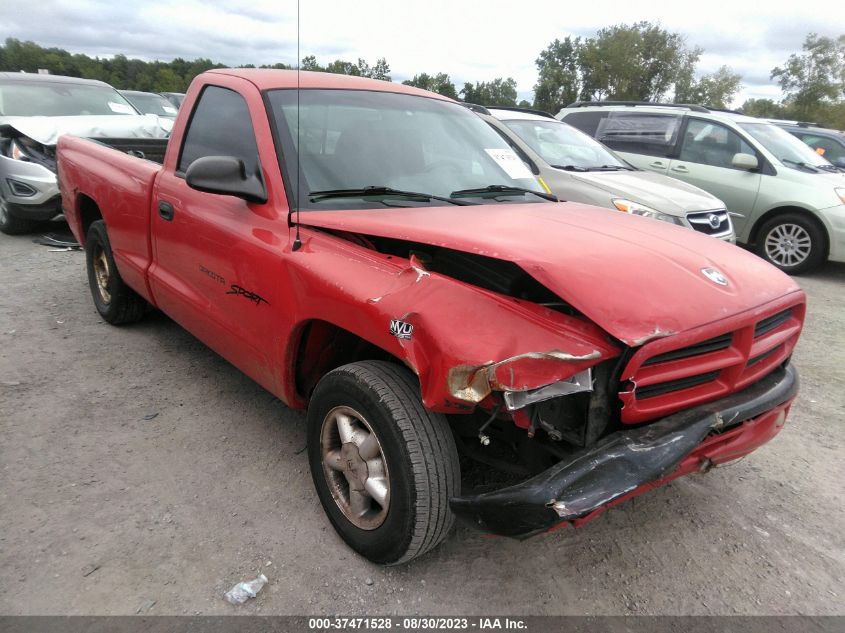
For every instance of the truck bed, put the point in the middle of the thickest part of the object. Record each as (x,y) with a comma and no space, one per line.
(151,149)
(112,173)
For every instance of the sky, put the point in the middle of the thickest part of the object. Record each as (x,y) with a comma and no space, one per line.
(471,41)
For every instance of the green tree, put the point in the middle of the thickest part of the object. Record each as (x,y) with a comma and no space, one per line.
(715,90)
(439,83)
(814,78)
(640,62)
(310,63)
(380,71)
(497,92)
(341,67)
(559,79)
(763,108)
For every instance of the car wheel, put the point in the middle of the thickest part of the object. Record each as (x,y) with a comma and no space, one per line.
(116,302)
(792,242)
(384,467)
(11,225)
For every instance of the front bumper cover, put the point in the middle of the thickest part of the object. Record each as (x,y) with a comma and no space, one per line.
(623,462)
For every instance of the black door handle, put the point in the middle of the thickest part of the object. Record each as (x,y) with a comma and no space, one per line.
(165,210)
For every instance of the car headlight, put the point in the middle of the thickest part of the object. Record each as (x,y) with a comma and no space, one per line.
(841,193)
(16,152)
(635,208)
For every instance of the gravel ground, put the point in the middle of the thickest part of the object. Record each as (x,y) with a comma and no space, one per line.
(141,473)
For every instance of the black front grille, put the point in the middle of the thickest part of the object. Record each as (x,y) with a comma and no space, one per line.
(763,356)
(767,325)
(650,391)
(714,344)
(710,222)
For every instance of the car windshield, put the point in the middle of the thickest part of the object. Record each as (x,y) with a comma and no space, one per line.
(787,149)
(47,98)
(352,140)
(563,146)
(150,103)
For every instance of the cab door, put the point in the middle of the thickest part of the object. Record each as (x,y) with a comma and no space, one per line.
(705,157)
(217,257)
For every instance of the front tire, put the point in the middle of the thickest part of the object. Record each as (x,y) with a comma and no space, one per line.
(384,466)
(792,242)
(116,302)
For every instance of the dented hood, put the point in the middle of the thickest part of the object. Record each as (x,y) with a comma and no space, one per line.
(47,129)
(635,277)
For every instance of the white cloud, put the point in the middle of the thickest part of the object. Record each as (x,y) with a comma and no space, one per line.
(471,41)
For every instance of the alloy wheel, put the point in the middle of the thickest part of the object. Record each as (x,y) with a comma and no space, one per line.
(788,244)
(355,467)
(102,274)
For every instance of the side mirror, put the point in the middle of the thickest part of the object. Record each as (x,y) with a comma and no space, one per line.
(745,161)
(226,175)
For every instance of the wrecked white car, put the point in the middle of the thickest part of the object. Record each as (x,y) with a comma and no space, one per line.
(35,110)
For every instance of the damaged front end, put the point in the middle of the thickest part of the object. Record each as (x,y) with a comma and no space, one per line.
(627,462)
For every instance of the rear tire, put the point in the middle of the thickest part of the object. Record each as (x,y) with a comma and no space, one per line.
(792,242)
(116,302)
(367,429)
(11,225)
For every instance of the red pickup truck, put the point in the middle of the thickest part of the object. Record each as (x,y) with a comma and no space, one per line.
(378,255)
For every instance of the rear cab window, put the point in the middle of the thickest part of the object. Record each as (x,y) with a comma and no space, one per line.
(650,133)
(220,125)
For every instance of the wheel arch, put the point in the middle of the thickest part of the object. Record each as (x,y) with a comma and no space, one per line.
(88,212)
(771,213)
(318,346)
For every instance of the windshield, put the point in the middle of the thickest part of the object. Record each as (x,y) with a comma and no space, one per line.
(46,98)
(561,145)
(354,139)
(787,149)
(149,103)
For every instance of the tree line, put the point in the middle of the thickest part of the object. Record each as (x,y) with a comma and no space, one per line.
(637,62)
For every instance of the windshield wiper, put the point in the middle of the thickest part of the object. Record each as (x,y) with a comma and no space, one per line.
(502,190)
(363,192)
(609,168)
(570,167)
(802,164)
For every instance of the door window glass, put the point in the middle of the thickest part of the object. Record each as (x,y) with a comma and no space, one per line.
(824,146)
(220,126)
(648,133)
(713,144)
(587,122)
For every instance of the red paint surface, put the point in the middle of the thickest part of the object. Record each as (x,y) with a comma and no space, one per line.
(631,277)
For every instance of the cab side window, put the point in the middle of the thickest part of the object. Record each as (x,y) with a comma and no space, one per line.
(653,134)
(219,126)
(713,144)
